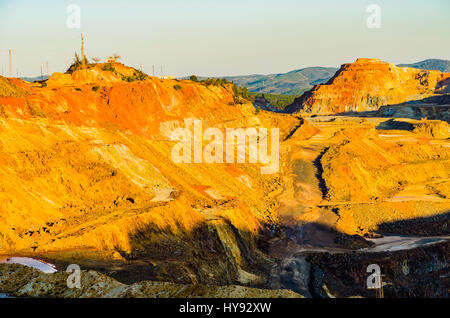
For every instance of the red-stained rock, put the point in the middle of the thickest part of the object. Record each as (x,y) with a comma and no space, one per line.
(367,84)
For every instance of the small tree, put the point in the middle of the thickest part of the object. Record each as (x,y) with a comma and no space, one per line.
(76,59)
(193,78)
(75,64)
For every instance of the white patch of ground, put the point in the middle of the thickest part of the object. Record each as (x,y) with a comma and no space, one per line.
(393,243)
(30,262)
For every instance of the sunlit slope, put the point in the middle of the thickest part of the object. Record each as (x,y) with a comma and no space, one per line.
(368,84)
(76,176)
(88,171)
(357,174)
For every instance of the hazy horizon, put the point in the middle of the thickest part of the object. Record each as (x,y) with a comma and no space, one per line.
(222,38)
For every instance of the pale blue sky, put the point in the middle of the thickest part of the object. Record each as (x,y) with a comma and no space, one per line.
(223,37)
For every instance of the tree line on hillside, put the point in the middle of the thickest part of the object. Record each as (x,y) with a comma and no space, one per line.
(241,94)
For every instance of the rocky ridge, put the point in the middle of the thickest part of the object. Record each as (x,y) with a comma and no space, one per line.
(368,84)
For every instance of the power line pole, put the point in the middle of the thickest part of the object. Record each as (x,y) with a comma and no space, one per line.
(10,64)
(82,49)
(48,72)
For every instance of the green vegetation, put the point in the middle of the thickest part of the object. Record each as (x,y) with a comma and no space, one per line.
(77,62)
(215,81)
(78,89)
(278,101)
(257,110)
(95,88)
(241,94)
(108,68)
(193,78)
(140,76)
(137,76)
(177,87)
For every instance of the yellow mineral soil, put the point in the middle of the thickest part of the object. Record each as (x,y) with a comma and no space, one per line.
(353,176)
(86,171)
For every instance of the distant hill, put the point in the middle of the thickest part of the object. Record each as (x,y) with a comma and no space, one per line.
(299,81)
(36,78)
(292,83)
(430,64)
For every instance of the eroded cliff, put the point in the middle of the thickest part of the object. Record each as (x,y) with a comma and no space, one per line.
(87,174)
(368,84)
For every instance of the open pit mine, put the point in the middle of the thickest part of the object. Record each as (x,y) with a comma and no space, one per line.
(87,178)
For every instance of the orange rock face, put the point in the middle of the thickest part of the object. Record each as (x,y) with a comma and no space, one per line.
(86,169)
(367,84)
(96,98)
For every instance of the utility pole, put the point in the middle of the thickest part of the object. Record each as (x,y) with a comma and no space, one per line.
(10,64)
(48,72)
(82,49)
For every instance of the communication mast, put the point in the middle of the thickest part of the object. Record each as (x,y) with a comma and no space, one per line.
(10,64)
(82,50)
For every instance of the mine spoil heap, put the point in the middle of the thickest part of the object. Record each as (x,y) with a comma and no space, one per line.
(367,84)
(86,177)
